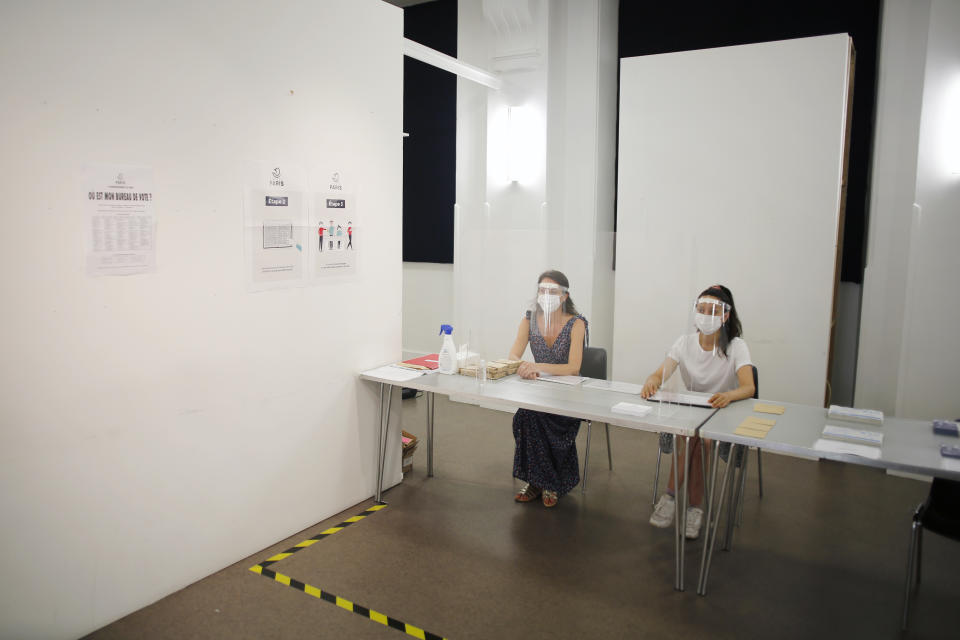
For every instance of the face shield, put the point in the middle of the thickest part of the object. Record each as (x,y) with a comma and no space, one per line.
(709,314)
(547,308)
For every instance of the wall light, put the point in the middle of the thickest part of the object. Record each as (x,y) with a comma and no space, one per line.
(951,126)
(519,146)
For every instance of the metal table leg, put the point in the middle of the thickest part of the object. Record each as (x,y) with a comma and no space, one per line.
(708,529)
(586,459)
(384,415)
(676,517)
(733,501)
(711,540)
(431,402)
(682,516)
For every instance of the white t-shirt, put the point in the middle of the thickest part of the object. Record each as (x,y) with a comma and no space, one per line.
(705,371)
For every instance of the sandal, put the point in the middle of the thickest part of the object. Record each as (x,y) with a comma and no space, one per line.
(529,493)
(550,498)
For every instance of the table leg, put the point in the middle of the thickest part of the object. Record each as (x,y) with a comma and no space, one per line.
(682,516)
(431,402)
(586,459)
(712,539)
(734,496)
(384,414)
(676,516)
(708,529)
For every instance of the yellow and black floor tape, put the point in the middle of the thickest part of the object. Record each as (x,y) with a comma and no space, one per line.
(343,603)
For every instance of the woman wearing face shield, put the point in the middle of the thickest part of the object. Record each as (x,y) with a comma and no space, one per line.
(714,359)
(546,453)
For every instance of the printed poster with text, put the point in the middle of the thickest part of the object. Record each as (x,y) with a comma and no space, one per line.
(333,225)
(121,222)
(274,224)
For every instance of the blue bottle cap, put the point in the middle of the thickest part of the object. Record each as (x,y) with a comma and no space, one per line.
(445,328)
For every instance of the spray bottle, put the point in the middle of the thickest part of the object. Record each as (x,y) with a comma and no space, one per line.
(448,352)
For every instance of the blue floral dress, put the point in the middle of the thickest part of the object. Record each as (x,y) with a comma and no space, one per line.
(546,453)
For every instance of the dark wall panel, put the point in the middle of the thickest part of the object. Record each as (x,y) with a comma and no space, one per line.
(429,153)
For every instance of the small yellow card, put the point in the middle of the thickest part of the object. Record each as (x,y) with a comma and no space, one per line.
(767,422)
(755,426)
(769,408)
(750,433)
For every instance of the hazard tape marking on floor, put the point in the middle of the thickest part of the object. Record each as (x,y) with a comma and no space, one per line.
(343,603)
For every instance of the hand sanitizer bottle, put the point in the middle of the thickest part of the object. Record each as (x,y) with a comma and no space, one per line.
(447,362)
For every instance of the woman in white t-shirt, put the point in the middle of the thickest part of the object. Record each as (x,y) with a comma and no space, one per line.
(714,360)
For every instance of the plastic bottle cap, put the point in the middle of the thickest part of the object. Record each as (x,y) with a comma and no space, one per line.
(446,328)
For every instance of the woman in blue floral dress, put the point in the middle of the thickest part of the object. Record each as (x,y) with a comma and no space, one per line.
(546,453)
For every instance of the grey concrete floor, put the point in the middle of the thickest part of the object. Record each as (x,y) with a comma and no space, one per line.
(821,555)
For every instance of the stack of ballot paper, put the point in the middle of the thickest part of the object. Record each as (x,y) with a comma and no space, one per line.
(546,377)
(775,409)
(631,409)
(857,436)
(867,416)
(755,427)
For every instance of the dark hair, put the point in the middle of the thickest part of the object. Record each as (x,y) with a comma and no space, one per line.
(560,279)
(731,328)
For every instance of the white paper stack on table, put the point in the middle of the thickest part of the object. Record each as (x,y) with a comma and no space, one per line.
(546,377)
(395,373)
(694,399)
(857,436)
(860,442)
(612,385)
(631,409)
(866,416)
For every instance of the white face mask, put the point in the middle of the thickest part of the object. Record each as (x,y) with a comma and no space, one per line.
(708,325)
(548,302)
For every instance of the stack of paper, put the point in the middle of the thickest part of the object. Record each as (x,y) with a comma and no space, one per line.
(628,408)
(611,385)
(775,409)
(546,377)
(694,399)
(867,416)
(857,436)
(755,427)
(395,373)
(836,446)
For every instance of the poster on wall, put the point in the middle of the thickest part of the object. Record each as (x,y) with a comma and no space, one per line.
(120,230)
(333,225)
(274,225)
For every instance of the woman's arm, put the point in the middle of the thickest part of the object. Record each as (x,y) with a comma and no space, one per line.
(520,343)
(745,390)
(655,379)
(574,359)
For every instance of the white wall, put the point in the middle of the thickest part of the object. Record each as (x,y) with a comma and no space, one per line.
(930,355)
(909,346)
(730,165)
(902,58)
(157,428)
(427,303)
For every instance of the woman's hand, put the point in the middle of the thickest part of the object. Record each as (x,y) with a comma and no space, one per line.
(650,386)
(720,400)
(528,370)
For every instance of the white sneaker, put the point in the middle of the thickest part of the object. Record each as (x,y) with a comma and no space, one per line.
(662,516)
(694,520)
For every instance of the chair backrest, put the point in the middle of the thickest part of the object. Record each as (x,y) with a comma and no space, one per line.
(756,383)
(594,363)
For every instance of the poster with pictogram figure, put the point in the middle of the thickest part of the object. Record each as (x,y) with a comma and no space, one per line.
(333,220)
